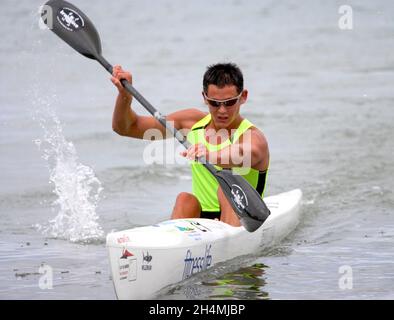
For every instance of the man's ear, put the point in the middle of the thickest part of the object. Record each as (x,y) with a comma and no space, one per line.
(203,96)
(244,96)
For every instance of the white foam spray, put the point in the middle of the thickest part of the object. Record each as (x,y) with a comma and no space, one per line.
(76,187)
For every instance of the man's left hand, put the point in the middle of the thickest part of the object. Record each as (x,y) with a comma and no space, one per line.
(195,151)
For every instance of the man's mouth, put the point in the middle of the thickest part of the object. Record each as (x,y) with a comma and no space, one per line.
(222,118)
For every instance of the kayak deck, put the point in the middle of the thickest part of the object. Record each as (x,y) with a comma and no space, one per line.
(145,259)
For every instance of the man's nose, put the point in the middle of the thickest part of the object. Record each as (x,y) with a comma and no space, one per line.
(222,108)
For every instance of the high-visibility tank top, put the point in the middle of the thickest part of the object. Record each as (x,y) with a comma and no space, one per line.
(204,184)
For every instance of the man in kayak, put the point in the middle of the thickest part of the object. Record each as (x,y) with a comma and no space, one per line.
(222,135)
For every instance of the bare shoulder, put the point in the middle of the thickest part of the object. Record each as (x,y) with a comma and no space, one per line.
(259,148)
(259,137)
(186,118)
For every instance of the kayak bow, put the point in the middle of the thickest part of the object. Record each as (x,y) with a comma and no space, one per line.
(146,259)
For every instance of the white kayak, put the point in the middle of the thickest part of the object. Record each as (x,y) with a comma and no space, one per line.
(144,260)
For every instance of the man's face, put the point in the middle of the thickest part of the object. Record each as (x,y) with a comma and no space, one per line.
(223,116)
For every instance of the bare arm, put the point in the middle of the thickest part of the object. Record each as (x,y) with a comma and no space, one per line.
(127,122)
(250,151)
(123,117)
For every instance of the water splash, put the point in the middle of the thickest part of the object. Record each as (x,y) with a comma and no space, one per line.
(76,187)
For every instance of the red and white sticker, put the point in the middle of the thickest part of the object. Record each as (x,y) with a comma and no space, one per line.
(127,266)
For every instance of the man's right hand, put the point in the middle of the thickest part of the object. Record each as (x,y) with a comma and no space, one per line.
(118,74)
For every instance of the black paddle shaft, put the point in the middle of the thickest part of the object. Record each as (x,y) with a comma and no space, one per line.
(76,29)
(155,113)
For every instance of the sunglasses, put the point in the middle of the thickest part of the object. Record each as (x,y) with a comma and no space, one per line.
(227,103)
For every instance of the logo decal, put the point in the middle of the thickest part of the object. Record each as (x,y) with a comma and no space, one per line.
(184,228)
(127,266)
(146,259)
(196,264)
(70,19)
(199,226)
(239,197)
(190,232)
(123,239)
(126,254)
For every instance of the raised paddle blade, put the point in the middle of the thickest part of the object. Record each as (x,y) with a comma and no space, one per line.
(244,199)
(75,28)
(72,26)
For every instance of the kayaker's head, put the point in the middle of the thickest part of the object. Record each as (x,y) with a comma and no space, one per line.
(224,93)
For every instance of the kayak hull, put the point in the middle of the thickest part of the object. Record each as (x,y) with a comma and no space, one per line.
(144,260)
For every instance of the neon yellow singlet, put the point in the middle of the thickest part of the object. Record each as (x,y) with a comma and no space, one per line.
(204,184)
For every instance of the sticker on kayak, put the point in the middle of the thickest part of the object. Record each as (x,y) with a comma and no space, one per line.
(199,226)
(239,197)
(146,259)
(184,228)
(70,19)
(190,232)
(194,264)
(123,239)
(127,266)
(126,254)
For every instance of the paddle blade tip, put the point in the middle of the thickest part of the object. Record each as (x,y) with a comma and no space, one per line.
(72,26)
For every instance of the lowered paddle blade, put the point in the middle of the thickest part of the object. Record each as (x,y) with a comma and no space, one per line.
(72,26)
(244,199)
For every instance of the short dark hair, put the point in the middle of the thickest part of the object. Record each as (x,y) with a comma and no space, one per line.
(223,74)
